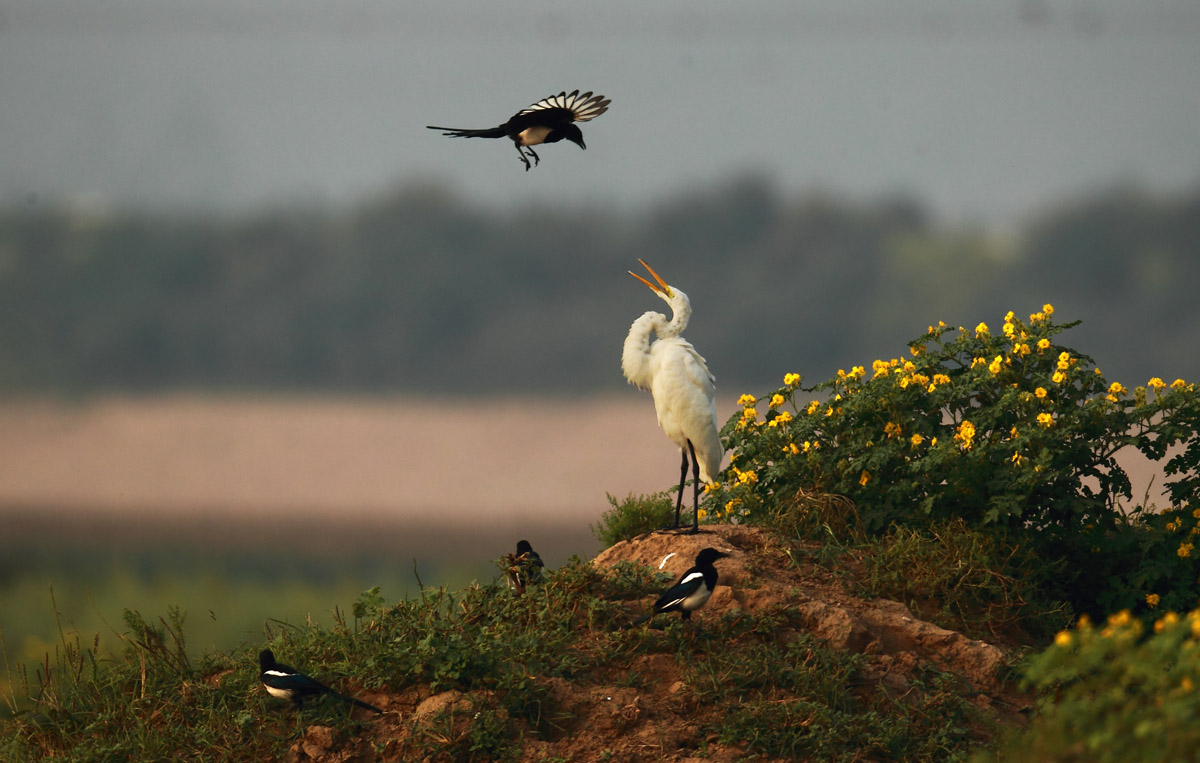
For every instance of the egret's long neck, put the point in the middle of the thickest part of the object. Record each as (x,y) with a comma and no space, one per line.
(635,357)
(681,313)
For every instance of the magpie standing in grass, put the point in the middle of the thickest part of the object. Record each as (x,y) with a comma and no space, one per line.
(548,121)
(286,682)
(524,567)
(692,589)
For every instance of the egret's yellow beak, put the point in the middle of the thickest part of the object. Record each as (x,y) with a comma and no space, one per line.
(662,287)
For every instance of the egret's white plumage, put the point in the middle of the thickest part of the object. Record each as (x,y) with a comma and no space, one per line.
(684,391)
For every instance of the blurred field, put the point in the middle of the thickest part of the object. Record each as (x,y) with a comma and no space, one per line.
(240,511)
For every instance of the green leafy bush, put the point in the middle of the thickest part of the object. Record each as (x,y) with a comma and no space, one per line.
(1009,431)
(633,516)
(1115,693)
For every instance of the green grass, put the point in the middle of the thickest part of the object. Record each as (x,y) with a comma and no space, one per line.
(752,679)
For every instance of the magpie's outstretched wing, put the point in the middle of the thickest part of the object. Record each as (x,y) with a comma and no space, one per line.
(576,107)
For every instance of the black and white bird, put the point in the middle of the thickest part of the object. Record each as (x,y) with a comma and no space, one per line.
(692,590)
(548,121)
(286,682)
(528,566)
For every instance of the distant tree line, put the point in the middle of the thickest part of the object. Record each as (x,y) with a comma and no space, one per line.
(419,292)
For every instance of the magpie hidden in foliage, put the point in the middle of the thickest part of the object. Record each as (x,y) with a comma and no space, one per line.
(524,567)
(692,589)
(286,682)
(548,121)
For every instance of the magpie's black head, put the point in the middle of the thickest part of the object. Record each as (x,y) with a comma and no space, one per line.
(266,659)
(708,556)
(573,134)
(523,547)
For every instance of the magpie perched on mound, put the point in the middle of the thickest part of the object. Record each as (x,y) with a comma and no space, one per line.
(524,567)
(692,589)
(286,682)
(548,121)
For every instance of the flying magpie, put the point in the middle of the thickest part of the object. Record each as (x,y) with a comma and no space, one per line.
(524,567)
(548,121)
(286,682)
(692,589)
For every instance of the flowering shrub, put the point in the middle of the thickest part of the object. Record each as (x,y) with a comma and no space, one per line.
(1008,430)
(1118,692)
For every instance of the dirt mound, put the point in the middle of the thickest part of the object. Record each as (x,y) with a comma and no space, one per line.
(759,574)
(656,719)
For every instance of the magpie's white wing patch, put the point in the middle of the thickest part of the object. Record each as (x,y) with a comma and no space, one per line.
(279,673)
(582,106)
(690,578)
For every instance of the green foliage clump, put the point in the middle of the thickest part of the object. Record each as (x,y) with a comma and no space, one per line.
(1010,431)
(1115,693)
(632,517)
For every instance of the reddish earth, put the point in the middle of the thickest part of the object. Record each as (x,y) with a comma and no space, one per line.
(658,721)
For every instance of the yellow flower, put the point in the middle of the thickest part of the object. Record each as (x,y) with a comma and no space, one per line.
(777,400)
(749,414)
(916,349)
(711,486)
(791,380)
(812,407)
(1048,309)
(881,367)
(1045,420)
(1064,361)
(933,442)
(981,330)
(1017,458)
(780,418)
(1043,344)
(1171,527)
(747,400)
(1156,384)
(1196,514)
(1178,384)
(994,366)
(857,372)
(1152,600)
(807,446)
(1035,317)
(1008,329)
(1059,377)
(1040,392)
(978,362)
(1063,639)
(965,434)
(747,476)
(701,513)
(916,440)
(865,478)
(1184,551)
(1013,433)
(1009,316)
(791,448)
(1116,389)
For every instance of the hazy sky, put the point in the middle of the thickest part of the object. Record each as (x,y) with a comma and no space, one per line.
(984,109)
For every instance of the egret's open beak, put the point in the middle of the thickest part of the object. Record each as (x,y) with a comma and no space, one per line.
(662,287)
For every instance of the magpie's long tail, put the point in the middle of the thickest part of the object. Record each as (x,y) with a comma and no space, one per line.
(455,132)
(641,619)
(355,702)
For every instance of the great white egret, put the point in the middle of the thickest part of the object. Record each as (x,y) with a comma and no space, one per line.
(681,385)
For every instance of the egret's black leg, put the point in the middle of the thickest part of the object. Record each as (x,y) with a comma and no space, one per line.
(683,469)
(695,489)
(536,159)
